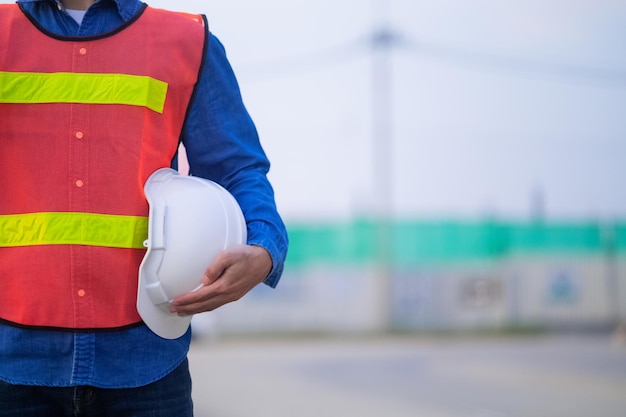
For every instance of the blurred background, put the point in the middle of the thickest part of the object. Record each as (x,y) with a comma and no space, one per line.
(452,177)
(439,165)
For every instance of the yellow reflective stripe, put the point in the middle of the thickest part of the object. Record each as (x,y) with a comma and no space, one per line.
(73,229)
(86,88)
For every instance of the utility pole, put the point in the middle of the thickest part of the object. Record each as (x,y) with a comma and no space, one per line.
(382,42)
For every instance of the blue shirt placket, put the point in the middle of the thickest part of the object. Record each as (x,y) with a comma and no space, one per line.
(83,362)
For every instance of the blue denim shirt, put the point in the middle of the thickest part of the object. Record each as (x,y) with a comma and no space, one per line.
(222,145)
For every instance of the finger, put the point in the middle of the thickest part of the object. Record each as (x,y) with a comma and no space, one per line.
(206,298)
(213,272)
(217,267)
(200,306)
(192,298)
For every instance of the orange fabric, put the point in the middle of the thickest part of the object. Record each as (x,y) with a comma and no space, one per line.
(87,158)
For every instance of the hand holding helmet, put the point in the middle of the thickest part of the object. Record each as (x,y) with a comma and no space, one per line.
(191,221)
(234,272)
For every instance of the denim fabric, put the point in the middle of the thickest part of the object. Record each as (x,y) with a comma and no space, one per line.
(222,145)
(124,359)
(170,396)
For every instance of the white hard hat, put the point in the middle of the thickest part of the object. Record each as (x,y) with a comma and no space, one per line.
(191,220)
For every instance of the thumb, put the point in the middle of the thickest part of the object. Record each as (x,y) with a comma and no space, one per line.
(213,271)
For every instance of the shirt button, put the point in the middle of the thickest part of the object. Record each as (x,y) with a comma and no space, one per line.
(79,135)
(82,51)
(79,183)
(81,293)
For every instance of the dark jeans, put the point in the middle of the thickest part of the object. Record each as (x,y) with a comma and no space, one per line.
(168,397)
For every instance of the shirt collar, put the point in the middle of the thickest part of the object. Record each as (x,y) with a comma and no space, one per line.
(126,8)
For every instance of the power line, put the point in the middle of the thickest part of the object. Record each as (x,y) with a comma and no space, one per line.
(387,38)
(305,63)
(513,65)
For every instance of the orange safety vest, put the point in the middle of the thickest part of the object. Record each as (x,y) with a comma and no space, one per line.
(83,123)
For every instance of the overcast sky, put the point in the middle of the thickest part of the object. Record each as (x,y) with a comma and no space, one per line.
(491,102)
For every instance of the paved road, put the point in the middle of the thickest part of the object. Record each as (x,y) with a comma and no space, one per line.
(539,376)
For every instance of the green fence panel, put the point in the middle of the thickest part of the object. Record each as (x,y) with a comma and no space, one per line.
(418,242)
